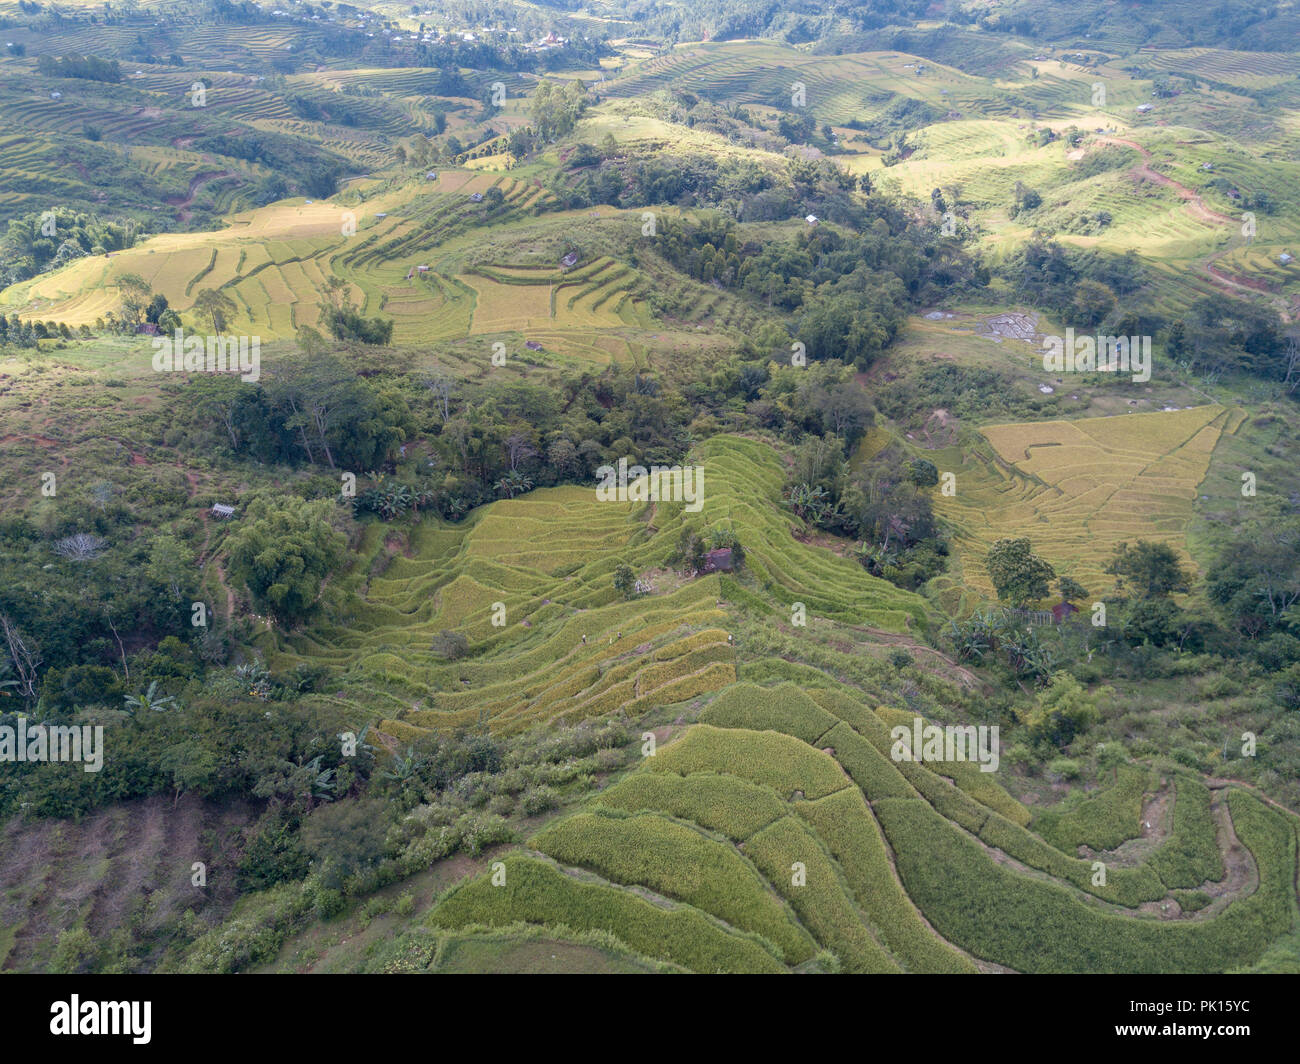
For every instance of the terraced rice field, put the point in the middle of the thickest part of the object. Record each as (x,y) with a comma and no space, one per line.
(1080,488)
(571,647)
(274,261)
(836,88)
(779,830)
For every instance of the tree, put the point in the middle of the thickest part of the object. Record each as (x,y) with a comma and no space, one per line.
(1092,301)
(282,552)
(1025,199)
(442,387)
(134,292)
(23,658)
(155,310)
(1151,569)
(555,109)
(347,323)
(1071,590)
(345,838)
(1019,575)
(625,581)
(1064,710)
(216,305)
(220,396)
(1256,577)
(150,700)
(192,766)
(171,567)
(819,463)
(922,472)
(515,482)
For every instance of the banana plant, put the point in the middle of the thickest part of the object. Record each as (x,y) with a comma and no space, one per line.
(150,700)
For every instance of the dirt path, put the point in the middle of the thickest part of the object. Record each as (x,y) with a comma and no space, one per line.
(182,203)
(1189,196)
(203,560)
(1205,214)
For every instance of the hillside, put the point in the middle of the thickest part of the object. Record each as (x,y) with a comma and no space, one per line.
(647,435)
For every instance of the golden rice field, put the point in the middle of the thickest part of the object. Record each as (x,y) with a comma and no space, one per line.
(570,646)
(1080,488)
(273,263)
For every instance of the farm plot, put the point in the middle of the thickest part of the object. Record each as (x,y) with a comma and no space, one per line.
(711,829)
(572,647)
(1079,488)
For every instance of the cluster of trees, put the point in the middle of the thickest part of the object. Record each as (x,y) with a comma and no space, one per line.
(282,551)
(625,176)
(796,23)
(556,107)
(45,240)
(1222,335)
(1082,285)
(885,504)
(580,53)
(1252,588)
(88,67)
(1218,335)
(18,333)
(313,408)
(851,291)
(296,162)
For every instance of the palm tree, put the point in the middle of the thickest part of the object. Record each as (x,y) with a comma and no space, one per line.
(321,782)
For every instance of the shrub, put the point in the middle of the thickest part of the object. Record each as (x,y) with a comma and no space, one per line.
(1065,768)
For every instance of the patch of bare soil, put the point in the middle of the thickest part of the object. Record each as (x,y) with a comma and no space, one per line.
(939,430)
(126,867)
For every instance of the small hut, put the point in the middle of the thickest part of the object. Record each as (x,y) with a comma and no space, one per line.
(719,561)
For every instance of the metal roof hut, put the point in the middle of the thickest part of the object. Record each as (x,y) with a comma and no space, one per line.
(719,561)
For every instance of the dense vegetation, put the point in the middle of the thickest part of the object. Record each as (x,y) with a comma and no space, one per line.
(359,611)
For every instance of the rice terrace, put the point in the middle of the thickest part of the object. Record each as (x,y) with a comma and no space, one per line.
(656,522)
